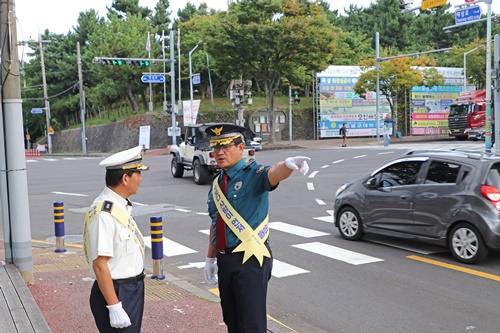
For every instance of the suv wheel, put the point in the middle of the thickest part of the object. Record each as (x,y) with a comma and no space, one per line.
(176,168)
(200,173)
(349,224)
(466,244)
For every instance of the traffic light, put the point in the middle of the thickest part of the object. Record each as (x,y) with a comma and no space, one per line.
(296,97)
(140,62)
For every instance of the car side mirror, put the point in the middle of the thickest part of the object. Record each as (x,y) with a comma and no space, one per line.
(371,183)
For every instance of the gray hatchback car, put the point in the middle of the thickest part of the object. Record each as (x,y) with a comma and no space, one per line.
(445,198)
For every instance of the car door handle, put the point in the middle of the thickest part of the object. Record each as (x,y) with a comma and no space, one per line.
(404,196)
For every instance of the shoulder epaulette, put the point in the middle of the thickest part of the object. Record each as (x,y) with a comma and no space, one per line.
(107,206)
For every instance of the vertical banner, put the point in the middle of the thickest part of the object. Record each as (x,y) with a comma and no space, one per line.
(190,116)
(144,136)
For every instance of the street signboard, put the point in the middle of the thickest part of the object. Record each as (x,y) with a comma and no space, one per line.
(196,79)
(426,4)
(153,78)
(467,14)
(36,111)
(170,131)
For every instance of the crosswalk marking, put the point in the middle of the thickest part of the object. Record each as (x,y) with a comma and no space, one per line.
(282,269)
(320,202)
(328,218)
(296,230)
(337,253)
(310,186)
(171,248)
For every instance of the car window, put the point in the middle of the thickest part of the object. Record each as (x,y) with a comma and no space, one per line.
(493,178)
(442,173)
(403,173)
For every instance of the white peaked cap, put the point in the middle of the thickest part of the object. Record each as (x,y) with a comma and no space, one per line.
(130,159)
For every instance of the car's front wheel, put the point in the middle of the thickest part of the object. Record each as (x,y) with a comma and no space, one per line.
(466,244)
(176,168)
(350,226)
(200,173)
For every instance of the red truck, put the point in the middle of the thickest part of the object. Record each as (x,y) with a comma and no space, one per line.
(467,113)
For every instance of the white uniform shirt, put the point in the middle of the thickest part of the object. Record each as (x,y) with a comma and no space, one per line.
(109,238)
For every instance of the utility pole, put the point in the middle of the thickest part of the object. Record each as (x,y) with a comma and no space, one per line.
(13,176)
(45,96)
(82,99)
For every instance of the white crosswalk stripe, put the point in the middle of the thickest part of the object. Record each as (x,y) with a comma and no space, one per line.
(337,253)
(171,248)
(296,230)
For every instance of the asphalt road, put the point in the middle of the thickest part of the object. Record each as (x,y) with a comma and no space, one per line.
(321,283)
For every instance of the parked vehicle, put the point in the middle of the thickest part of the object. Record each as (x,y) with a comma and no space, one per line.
(256,143)
(194,153)
(445,198)
(477,134)
(466,113)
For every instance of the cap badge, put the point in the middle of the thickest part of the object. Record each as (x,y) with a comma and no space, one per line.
(237,186)
(217,131)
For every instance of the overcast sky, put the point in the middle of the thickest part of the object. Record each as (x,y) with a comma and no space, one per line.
(34,16)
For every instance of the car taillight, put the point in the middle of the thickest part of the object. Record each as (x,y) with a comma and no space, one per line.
(251,152)
(492,194)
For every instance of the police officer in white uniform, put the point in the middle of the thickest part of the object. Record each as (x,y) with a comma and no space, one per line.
(114,247)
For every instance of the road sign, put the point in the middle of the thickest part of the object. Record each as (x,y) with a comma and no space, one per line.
(467,14)
(170,131)
(51,130)
(153,78)
(36,111)
(426,4)
(196,79)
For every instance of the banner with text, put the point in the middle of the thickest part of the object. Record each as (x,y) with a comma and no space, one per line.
(190,115)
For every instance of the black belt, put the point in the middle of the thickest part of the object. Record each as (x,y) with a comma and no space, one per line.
(130,280)
(230,250)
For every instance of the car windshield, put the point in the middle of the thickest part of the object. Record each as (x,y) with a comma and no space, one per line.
(459,110)
(493,178)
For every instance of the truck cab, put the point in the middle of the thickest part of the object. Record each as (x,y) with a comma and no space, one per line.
(467,113)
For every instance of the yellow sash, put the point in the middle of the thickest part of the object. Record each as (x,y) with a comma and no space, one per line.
(126,220)
(252,241)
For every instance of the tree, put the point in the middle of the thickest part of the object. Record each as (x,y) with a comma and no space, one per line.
(268,40)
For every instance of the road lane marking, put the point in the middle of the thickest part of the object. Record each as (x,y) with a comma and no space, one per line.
(328,218)
(456,268)
(320,202)
(337,253)
(72,194)
(296,230)
(171,248)
(324,166)
(313,174)
(386,152)
(359,156)
(338,161)
(282,269)
(310,186)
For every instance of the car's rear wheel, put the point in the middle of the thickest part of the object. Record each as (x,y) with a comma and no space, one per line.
(176,168)
(200,173)
(466,244)
(350,226)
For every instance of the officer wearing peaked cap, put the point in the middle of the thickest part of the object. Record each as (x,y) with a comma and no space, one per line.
(114,247)
(238,204)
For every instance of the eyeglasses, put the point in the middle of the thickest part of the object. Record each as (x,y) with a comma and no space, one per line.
(224,147)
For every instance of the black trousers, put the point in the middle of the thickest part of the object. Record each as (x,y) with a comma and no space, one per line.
(243,292)
(132,297)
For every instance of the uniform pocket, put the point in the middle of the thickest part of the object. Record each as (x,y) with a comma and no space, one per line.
(126,239)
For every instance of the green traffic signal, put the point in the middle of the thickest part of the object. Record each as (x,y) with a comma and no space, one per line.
(117,62)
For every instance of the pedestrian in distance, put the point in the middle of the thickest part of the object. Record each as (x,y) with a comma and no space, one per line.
(114,247)
(238,205)
(343,134)
(386,130)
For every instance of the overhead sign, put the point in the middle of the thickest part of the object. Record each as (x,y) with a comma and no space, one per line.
(36,111)
(153,78)
(467,14)
(426,4)
(196,79)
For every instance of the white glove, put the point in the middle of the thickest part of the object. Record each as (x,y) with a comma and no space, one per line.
(209,271)
(298,163)
(118,318)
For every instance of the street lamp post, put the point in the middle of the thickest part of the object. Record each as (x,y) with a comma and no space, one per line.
(191,76)
(465,65)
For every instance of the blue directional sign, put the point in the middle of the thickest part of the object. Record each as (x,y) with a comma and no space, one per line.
(153,78)
(196,79)
(467,14)
(36,111)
